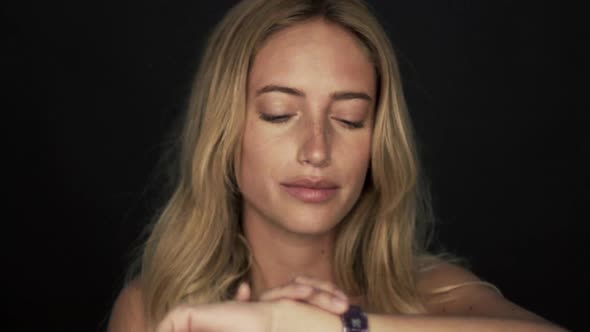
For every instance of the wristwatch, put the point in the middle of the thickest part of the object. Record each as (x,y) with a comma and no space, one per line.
(355,320)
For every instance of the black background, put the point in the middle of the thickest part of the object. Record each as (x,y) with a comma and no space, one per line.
(94,87)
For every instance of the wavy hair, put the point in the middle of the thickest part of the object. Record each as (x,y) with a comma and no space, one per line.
(196,251)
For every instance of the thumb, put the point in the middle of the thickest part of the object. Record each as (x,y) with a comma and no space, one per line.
(243,293)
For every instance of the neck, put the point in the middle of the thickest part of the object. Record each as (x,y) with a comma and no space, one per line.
(280,255)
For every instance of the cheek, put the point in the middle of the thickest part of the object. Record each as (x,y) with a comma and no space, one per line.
(261,156)
(252,160)
(356,156)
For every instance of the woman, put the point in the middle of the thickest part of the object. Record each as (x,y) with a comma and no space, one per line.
(299,191)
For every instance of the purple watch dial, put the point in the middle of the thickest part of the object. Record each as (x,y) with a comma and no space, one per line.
(355,320)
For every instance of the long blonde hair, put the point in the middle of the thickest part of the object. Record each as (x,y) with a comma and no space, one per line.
(196,252)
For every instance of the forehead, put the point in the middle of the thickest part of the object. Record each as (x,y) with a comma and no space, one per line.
(314,55)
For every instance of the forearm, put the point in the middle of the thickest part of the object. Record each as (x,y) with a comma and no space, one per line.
(410,323)
(297,317)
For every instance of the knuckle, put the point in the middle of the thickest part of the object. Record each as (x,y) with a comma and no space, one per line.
(302,289)
(277,292)
(292,290)
(311,293)
(322,297)
(323,300)
(301,279)
(326,299)
(330,287)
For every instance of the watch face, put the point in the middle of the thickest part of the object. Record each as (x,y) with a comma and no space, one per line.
(355,320)
(356,323)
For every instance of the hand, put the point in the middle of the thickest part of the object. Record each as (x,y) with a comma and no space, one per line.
(282,315)
(321,294)
(220,317)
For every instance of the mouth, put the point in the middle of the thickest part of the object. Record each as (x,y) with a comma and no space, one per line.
(311,191)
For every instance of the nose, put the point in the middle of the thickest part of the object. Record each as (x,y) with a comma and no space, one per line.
(316,147)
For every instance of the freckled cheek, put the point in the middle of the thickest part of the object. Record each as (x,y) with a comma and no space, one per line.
(355,156)
(263,155)
(252,170)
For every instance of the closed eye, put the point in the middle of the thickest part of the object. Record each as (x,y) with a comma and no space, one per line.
(352,124)
(285,117)
(275,118)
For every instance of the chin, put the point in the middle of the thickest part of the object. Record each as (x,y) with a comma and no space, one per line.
(310,225)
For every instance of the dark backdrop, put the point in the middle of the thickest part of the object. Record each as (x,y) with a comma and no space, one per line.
(94,87)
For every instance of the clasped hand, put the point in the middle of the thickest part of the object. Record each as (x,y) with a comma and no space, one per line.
(266,314)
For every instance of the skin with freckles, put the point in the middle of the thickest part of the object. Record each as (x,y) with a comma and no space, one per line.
(310,109)
(329,61)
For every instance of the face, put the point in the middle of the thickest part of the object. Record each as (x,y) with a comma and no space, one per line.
(307,139)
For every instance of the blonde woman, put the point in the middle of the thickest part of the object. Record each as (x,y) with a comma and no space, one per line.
(299,205)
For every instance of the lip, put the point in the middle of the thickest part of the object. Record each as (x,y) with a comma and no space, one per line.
(313,183)
(311,190)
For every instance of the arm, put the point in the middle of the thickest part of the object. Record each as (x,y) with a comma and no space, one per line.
(473,298)
(127,314)
(472,307)
(297,317)
(382,323)
(286,315)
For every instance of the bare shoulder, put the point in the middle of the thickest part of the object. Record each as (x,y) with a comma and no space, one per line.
(127,313)
(449,289)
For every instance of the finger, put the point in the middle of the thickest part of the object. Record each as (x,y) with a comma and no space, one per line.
(290,291)
(308,294)
(243,293)
(327,301)
(323,285)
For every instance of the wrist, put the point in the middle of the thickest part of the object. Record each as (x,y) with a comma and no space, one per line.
(292,316)
(281,313)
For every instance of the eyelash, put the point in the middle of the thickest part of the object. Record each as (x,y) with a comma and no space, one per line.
(353,125)
(284,118)
(274,118)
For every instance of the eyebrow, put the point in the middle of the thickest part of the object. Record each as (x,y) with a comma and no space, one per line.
(339,95)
